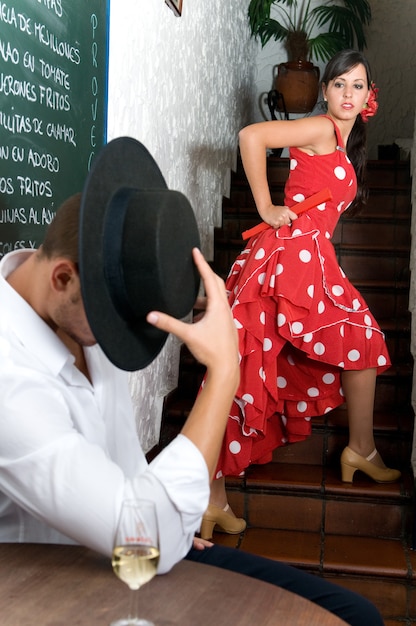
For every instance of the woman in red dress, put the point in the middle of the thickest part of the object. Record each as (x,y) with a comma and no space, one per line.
(307,339)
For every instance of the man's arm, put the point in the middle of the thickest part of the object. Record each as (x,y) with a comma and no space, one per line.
(55,462)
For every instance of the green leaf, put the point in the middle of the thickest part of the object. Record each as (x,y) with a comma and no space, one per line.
(258,13)
(343,22)
(361,8)
(325,45)
(272,29)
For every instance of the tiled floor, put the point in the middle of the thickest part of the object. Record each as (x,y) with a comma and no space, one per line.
(297,508)
(356,535)
(389,580)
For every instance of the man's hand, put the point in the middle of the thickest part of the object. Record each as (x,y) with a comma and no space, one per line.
(213,339)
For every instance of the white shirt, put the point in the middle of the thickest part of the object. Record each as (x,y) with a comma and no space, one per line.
(69,451)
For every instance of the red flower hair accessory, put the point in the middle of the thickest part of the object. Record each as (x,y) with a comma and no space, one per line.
(370,109)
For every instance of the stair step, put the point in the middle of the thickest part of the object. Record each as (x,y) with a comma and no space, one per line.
(359,535)
(393,411)
(381,202)
(324,485)
(383,570)
(386,423)
(398,419)
(342,554)
(389,179)
(380,174)
(386,232)
(297,507)
(381,247)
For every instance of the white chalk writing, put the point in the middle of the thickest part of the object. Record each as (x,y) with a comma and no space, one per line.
(47,137)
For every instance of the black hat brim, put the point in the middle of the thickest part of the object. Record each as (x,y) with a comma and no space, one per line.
(130,345)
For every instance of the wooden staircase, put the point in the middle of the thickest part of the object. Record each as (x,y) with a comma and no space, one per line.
(296,507)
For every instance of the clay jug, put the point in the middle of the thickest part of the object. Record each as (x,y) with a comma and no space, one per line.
(298,82)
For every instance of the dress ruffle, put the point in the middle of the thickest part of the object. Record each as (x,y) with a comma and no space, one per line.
(300,322)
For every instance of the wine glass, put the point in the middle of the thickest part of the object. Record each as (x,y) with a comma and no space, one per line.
(136,552)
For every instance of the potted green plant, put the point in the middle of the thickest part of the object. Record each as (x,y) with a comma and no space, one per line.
(309,33)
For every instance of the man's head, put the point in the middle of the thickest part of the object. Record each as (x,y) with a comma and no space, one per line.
(59,254)
(128,240)
(61,238)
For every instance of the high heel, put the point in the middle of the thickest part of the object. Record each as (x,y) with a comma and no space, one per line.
(227,522)
(351,461)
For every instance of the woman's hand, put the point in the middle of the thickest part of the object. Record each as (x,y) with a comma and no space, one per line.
(277,216)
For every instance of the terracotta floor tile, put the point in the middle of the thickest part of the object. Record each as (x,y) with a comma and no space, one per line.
(302,549)
(363,519)
(389,597)
(361,487)
(232,482)
(385,421)
(285,476)
(338,417)
(391,449)
(365,556)
(407,483)
(412,601)
(236,500)
(412,560)
(223,539)
(284,512)
(309,452)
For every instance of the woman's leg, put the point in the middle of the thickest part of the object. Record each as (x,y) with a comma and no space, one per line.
(361,453)
(219,513)
(218,495)
(359,391)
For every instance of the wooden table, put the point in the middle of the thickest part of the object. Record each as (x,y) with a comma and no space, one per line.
(69,585)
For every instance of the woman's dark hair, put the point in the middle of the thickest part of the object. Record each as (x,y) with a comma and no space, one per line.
(341,63)
(61,238)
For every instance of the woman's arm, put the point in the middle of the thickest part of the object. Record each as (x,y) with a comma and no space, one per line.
(314,135)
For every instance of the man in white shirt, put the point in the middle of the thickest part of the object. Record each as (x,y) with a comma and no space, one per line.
(69,452)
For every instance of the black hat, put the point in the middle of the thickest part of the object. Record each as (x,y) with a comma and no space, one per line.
(135,252)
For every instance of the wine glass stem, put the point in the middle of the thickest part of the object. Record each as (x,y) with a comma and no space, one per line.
(134,604)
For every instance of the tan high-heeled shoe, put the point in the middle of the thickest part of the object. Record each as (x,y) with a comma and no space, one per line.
(226,522)
(351,461)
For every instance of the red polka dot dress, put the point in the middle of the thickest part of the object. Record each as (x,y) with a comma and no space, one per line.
(300,321)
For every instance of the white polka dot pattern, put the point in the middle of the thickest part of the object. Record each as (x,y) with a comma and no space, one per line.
(299,320)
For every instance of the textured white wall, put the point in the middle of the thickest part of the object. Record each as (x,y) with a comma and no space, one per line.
(392,55)
(391,51)
(185,86)
(180,85)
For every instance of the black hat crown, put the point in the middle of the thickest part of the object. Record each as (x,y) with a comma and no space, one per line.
(136,240)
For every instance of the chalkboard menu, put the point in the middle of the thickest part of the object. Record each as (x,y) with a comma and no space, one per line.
(53,103)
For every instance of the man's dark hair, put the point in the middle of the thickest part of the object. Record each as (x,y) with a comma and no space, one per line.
(61,237)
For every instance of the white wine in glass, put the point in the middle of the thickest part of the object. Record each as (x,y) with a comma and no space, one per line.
(136,552)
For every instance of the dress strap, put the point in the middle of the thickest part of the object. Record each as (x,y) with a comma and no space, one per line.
(340,143)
